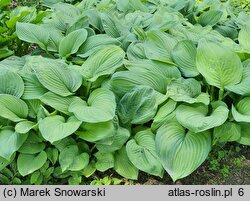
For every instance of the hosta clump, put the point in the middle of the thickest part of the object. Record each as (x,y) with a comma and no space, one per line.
(117,87)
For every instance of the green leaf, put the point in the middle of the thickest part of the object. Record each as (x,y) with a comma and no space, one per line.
(122,82)
(219,65)
(211,17)
(25,126)
(184,55)
(102,62)
(158,46)
(57,102)
(181,153)
(52,154)
(31,148)
(123,165)
(142,153)
(100,107)
(187,90)
(242,88)
(71,159)
(227,132)
(32,33)
(245,134)
(13,108)
(105,161)
(138,106)
(4,3)
(164,113)
(195,117)
(241,113)
(93,132)
(33,89)
(244,38)
(5,52)
(3,163)
(56,76)
(29,163)
(10,142)
(71,43)
(120,137)
(55,128)
(11,83)
(96,43)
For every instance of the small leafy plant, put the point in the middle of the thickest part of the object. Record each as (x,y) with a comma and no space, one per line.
(129,85)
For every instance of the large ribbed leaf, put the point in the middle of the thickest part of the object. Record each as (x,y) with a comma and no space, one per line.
(136,51)
(210,17)
(181,153)
(55,128)
(241,112)
(244,38)
(123,165)
(70,158)
(100,107)
(93,132)
(184,55)
(11,83)
(243,87)
(33,89)
(138,106)
(163,114)
(218,64)
(103,62)
(56,76)
(227,132)
(105,161)
(245,134)
(124,81)
(28,163)
(142,153)
(10,141)
(187,90)
(25,126)
(119,138)
(71,43)
(33,33)
(96,42)
(194,117)
(59,103)
(159,45)
(13,108)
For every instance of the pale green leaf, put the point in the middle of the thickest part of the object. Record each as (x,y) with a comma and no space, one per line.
(55,128)
(96,42)
(181,153)
(142,153)
(158,46)
(103,62)
(184,55)
(245,134)
(138,106)
(10,142)
(11,83)
(123,165)
(197,119)
(241,112)
(105,161)
(25,126)
(57,102)
(187,90)
(100,107)
(219,65)
(56,76)
(211,17)
(29,163)
(32,33)
(71,43)
(227,132)
(13,108)
(93,132)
